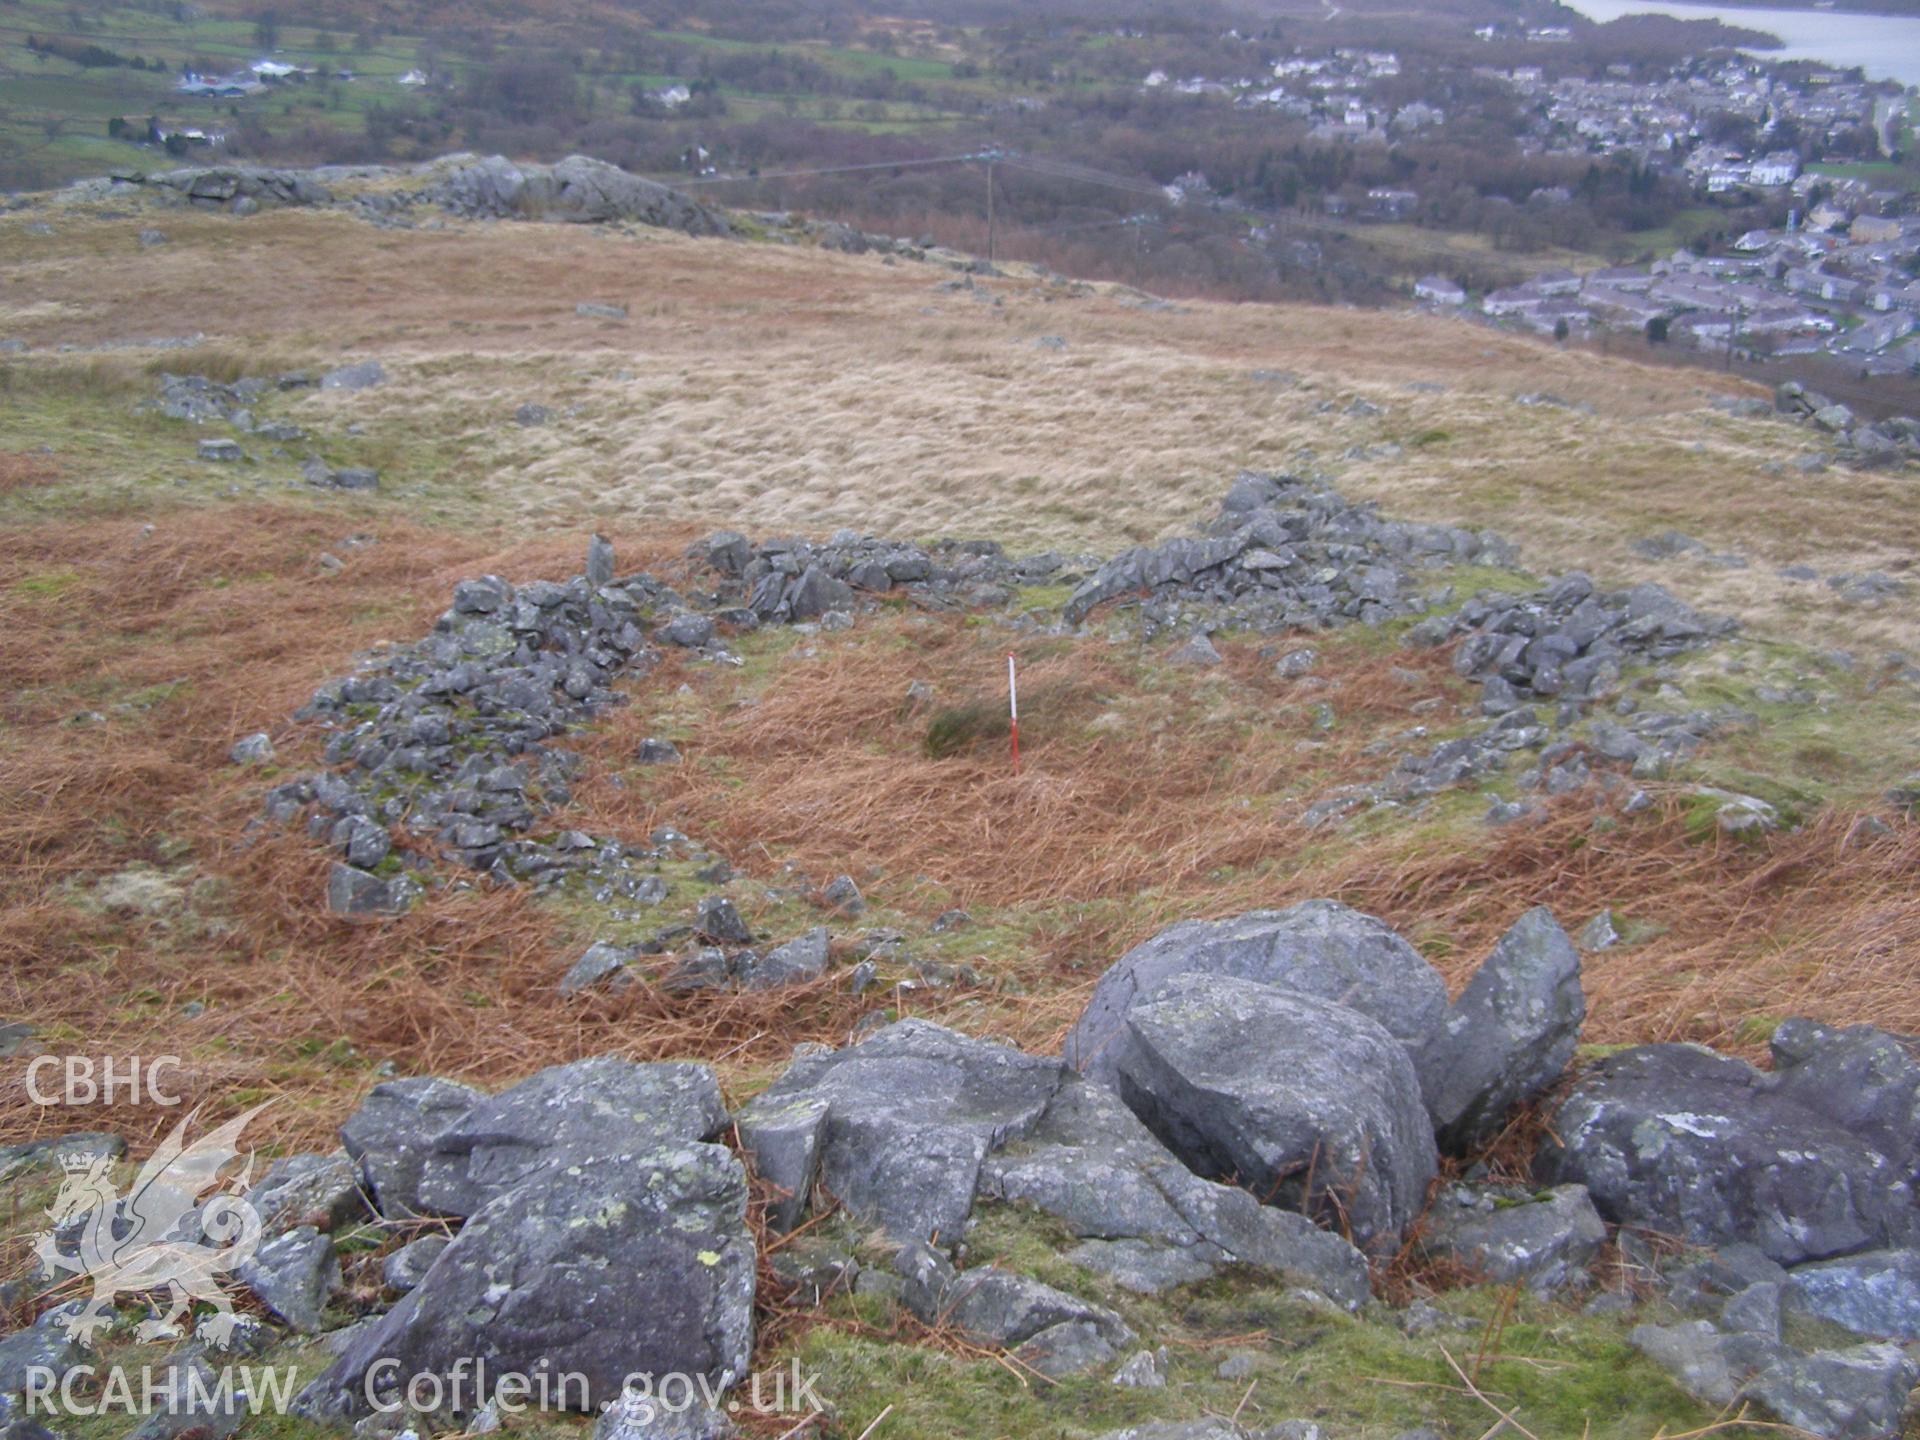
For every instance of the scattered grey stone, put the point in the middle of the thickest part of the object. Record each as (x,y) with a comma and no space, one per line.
(719,921)
(656,751)
(599,310)
(844,897)
(1144,1370)
(793,963)
(357,893)
(601,961)
(255,749)
(222,451)
(1599,933)
(531,415)
(1197,651)
(15,1035)
(361,376)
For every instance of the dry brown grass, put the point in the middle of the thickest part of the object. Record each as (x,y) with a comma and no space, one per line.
(221,624)
(781,389)
(1114,828)
(19,471)
(786,389)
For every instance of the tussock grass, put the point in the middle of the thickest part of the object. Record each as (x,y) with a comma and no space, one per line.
(785,389)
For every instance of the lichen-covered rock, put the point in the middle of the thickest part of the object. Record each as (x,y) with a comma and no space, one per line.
(1697,1145)
(1508,1036)
(1318,947)
(1311,1105)
(912,1112)
(1875,1293)
(570,1119)
(644,1267)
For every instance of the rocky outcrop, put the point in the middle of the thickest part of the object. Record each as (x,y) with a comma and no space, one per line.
(1861,443)
(1287,554)
(577,189)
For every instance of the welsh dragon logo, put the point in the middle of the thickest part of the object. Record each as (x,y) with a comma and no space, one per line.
(161,1236)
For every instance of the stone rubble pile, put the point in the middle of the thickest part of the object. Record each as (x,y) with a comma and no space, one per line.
(1288,554)
(448,739)
(796,580)
(1883,444)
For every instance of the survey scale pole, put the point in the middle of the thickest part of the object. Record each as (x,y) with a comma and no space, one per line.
(1013,711)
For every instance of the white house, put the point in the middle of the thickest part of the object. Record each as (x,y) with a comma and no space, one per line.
(1438,290)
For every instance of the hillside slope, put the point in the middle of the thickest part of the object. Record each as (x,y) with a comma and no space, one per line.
(243,459)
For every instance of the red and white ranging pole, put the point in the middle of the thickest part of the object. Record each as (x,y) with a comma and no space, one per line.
(1013,711)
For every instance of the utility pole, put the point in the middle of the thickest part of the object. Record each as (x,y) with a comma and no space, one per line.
(992,155)
(1733,330)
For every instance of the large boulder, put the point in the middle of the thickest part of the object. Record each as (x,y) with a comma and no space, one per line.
(567,1119)
(1310,1105)
(1145,1219)
(392,1133)
(1696,1145)
(641,1267)
(911,1112)
(1509,1035)
(1318,947)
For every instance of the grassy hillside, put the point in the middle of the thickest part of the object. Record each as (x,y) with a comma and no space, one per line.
(158,607)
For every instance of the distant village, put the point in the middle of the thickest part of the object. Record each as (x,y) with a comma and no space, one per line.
(1839,277)
(1842,281)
